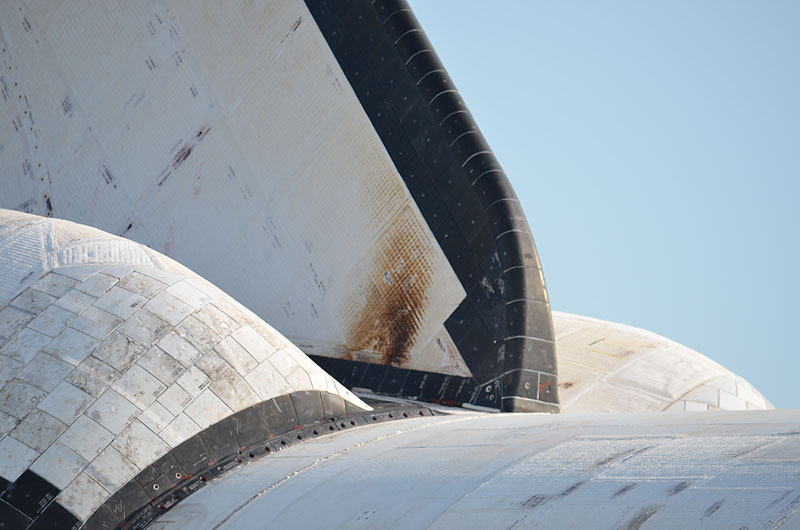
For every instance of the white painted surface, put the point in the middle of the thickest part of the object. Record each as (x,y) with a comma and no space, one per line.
(230,140)
(500,471)
(609,367)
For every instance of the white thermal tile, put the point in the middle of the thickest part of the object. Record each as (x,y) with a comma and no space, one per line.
(726,383)
(52,320)
(83,496)
(32,300)
(207,409)
(86,437)
(96,323)
(140,445)
(66,402)
(80,272)
(7,423)
(71,346)
(161,365)
(284,362)
(38,430)
(189,294)
(163,276)
(748,393)
(169,308)
(119,351)
(267,382)
(138,283)
(145,327)
(54,284)
(216,320)
(704,394)
(179,348)
(26,345)
(254,343)
(175,399)
(113,411)
(234,391)
(678,406)
(236,355)
(299,379)
(96,285)
(75,301)
(197,333)
(179,430)
(120,302)
(321,381)
(9,368)
(15,457)
(111,469)
(731,402)
(213,365)
(119,270)
(194,381)
(18,398)
(139,387)
(209,289)
(156,417)
(695,406)
(59,465)
(11,320)
(93,376)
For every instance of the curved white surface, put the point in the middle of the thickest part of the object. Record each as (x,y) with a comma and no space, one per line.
(609,367)
(111,355)
(502,471)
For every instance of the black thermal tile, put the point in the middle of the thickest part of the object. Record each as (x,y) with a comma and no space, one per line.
(394,381)
(507,215)
(521,383)
(465,143)
(249,425)
(466,391)
(424,142)
(515,248)
(438,159)
(162,473)
(492,186)
(414,383)
(55,517)
(432,210)
(308,406)
(492,266)
(332,405)
(434,84)
(461,199)
(479,163)
(409,48)
(355,374)
(423,193)
(30,493)
(435,387)
(397,144)
(534,354)
(192,455)
(446,105)
(450,239)
(12,518)
(398,23)
(219,440)
(455,125)
(102,519)
(469,271)
(548,386)
(524,283)
(374,377)
(489,395)
(413,173)
(357,72)
(130,498)
(462,320)
(280,414)
(529,319)
(481,352)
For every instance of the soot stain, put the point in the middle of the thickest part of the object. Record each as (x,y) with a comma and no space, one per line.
(396,300)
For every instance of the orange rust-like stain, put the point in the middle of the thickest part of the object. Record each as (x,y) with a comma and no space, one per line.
(396,298)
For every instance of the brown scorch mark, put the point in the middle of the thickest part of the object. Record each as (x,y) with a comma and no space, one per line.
(396,299)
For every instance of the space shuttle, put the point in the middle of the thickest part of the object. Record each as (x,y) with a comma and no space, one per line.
(259,268)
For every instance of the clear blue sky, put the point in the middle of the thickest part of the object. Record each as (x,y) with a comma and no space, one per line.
(656,149)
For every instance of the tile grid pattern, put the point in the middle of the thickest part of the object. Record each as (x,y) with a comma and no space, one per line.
(104,368)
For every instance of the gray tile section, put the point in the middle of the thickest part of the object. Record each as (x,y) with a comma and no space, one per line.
(71,346)
(26,345)
(236,355)
(119,351)
(111,469)
(175,399)
(75,301)
(9,368)
(93,376)
(32,300)
(145,327)
(120,302)
(139,387)
(59,465)
(86,437)
(52,320)
(179,348)
(15,457)
(145,286)
(45,371)
(140,445)
(83,496)
(66,402)
(54,284)
(18,398)
(169,308)
(96,323)
(113,411)
(197,333)
(163,366)
(80,272)
(12,320)
(186,292)
(38,430)
(156,417)
(97,284)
